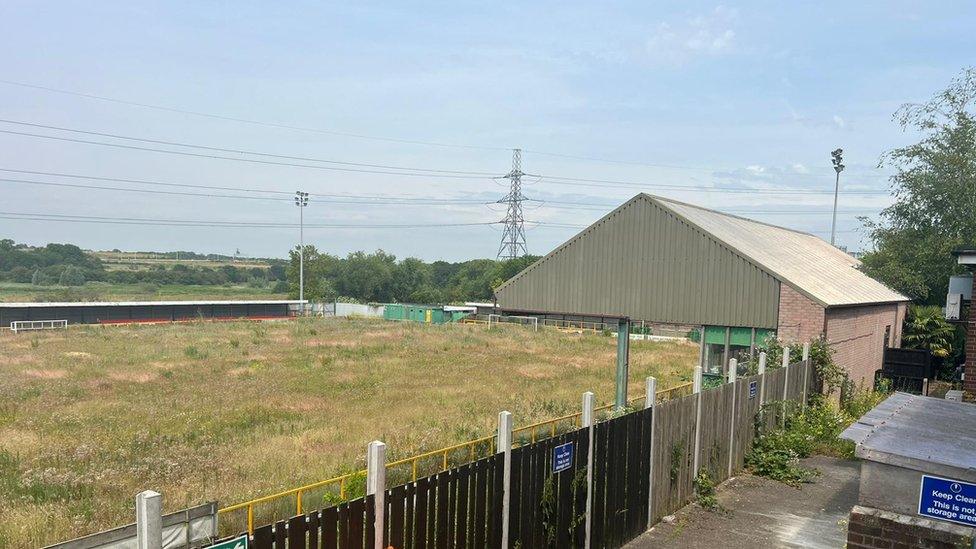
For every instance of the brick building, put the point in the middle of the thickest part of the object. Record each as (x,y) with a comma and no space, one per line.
(967,257)
(661,261)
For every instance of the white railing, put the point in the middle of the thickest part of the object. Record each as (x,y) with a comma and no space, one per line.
(520,320)
(26,325)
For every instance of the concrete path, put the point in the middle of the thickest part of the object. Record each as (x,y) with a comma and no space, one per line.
(764,513)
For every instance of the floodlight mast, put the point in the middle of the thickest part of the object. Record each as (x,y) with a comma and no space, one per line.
(838,161)
(301,200)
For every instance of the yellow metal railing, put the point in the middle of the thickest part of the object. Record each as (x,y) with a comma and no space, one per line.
(547,429)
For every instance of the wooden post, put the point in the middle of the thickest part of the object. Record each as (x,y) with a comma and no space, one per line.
(697,388)
(376,487)
(762,377)
(504,446)
(589,402)
(649,402)
(733,372)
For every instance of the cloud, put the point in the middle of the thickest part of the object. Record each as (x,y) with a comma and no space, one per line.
(839,122)
(709,35)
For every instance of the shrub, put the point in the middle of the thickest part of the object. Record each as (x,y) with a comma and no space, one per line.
(816,429)
(705,490)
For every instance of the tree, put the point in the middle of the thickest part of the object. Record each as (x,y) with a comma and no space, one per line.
(72,276)
(318,272)
(935,195)
(926,328)
(367,277)
(409,277)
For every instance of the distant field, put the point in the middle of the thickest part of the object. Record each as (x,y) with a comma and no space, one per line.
(97,291)
(135,261)
(230,411)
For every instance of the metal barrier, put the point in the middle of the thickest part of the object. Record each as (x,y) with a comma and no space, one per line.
(547,428)
(27,325)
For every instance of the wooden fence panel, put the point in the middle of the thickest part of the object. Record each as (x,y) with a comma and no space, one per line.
(774,393)
(346,526)
(747,404)
(674,445)
(716,419)
(795,391)
(547,508)
(456,508)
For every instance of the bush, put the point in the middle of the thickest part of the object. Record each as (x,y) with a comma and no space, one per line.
(815,430)
(72,276)
(280,287)
(705,490)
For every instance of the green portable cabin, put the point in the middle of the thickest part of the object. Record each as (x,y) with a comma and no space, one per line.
(427,314)
(394,311)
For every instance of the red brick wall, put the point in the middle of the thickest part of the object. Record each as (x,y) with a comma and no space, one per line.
(800,319)
(969,384)
(871,528)
(857,336)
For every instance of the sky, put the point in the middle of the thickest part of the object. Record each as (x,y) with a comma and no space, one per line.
(688,100)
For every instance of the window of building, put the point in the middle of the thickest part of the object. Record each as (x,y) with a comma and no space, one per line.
(887,339)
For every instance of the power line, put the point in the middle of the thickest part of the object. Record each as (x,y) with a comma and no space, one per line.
(426,200)
(357,135)
(574,226)
(590,206)
(584,182)
(365,201)
(383,169)
(250,121)
(237,151)
(33,216)
(250,160)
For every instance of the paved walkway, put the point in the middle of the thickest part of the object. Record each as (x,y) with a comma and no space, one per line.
(764,513)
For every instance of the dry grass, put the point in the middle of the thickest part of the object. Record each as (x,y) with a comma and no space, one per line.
(231,411)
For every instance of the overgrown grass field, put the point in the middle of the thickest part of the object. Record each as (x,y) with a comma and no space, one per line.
(230,411)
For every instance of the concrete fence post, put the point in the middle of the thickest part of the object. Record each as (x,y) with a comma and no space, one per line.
(149,520)
(786,380)
(504,446)
(806,373)
(762,378)
(733,373)
(376,487)
(697,387)
(650,401)
(586,421)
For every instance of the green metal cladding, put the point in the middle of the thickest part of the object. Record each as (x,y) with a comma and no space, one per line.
(646,262)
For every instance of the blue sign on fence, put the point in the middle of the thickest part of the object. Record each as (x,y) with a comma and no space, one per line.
(949,500)
(562,457)
(753,389)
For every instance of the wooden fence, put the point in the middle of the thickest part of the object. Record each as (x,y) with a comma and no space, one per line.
(636,479)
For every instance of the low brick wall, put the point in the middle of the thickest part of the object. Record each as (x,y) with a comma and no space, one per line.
(871,528)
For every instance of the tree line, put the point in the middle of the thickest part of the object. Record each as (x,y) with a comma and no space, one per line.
(360,276)
(379,277)
(69,265)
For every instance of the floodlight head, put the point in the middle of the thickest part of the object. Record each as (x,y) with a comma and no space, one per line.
(837,159)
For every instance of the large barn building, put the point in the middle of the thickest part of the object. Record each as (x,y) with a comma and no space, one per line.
(661,261)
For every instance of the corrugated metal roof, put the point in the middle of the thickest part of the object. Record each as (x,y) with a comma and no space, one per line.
(922,433)
(804,261)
